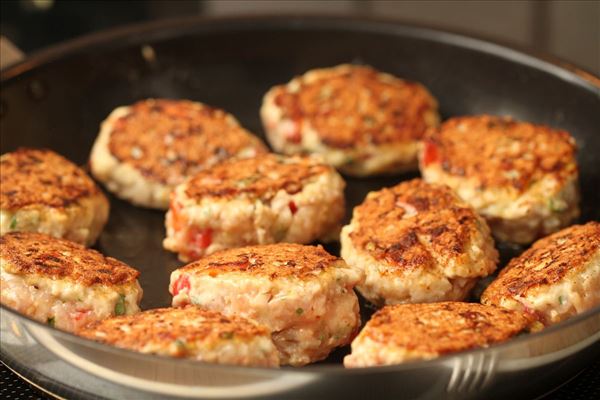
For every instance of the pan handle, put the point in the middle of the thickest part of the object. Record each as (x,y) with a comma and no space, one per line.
(9,53)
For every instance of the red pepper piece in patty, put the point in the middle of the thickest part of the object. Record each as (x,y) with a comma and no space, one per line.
(430,153)
(183,282)
(201,238)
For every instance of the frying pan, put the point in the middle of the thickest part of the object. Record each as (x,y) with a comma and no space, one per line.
(58,98)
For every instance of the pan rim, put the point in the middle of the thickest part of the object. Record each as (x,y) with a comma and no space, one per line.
(332,369)
(188,24)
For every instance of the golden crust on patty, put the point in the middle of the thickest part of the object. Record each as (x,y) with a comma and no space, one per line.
(166,327)
(546,263)
(28,253)
(405,224)
(273,261)
(501,152)
(442,328)
(261,176)
(167,140)
(41,177)
(350,106)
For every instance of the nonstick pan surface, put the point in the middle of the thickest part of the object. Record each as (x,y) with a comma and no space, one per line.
(58,98)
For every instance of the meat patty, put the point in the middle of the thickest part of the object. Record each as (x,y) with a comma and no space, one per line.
(260,200)
(301,293)
(417,243)
(522,177)
(144,150)
(189,332)
(63,283)
(406,332)
(41,191)
(557,278)
(360,120)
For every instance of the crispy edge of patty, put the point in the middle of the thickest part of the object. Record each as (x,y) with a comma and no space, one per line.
(165,325)
(548,262)
(30,253)
(442,328)
(31,177)
(499,152)
(258,177)
(272,261)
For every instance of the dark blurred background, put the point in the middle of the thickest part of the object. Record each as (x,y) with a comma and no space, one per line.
(567,29)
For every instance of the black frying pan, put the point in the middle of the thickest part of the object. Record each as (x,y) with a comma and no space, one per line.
(58,98)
